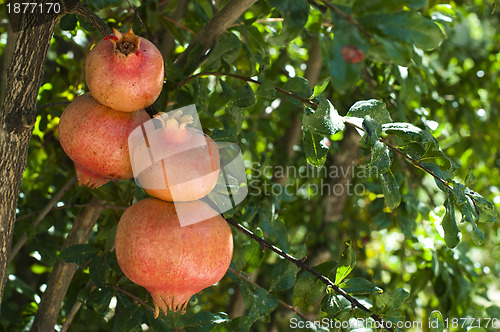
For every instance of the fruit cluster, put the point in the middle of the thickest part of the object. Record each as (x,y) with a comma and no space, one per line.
(125,74)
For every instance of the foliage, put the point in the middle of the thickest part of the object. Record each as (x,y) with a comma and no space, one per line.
(415,240)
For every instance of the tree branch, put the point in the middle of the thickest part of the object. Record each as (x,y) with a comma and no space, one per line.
(300,264)
(62,273)
(79,9)
(208,35)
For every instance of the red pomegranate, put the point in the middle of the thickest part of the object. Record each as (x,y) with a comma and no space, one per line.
(185,163)
(172,262)
(124,72)
(95,137)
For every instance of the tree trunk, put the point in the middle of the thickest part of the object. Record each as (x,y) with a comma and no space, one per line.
(60,277)
(17,117)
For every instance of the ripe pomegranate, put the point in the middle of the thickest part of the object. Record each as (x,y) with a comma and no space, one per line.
(181,164)
(124,72)
(95,137)
(172,262)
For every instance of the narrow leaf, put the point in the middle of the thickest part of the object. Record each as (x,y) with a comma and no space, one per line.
(436,323)
(449,223)
(390,188)
(381,158)
(346,264)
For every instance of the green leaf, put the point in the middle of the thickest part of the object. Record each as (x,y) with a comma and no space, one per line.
(99,299)
(390,188)
(487,211)
(98,270)
(257,301)
(193,60)
(307,290)
(243,97)
(477,235)
(376,109)
(223,135)
(295,14)
(436,322)
(360,286)
(449,223)
(252,253)
(369,6)
(78,253)
(381,158)
(283,276)
(470,178)
(382,221)
(314,148)
(129,317)
(398,298)
(476,329)
(320,87)
(404,130)
(300,87)
(202,321)
(227,90)
(346,264)
(408,26)
(336,306)
(267,90)
(228,47)
(68,22)
(390,51)
(325,120)
(371,132)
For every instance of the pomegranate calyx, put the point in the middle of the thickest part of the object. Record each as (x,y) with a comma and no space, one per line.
(166,301)
(174,125)
(125,43)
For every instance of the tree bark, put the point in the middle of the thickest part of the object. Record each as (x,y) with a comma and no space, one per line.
(18,112)
(17,117)
(60,277)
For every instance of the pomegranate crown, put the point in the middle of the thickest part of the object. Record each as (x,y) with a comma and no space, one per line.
(125,43)
(174,124)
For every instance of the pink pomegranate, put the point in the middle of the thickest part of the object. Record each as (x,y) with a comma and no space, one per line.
(95,137)
(172,262)
(124,72)
(187,161)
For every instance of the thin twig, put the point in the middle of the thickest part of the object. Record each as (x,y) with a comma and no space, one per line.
(247,79)
(42,214)
(132,296)
(286,305)
(61,103)
(180,25)
(300,264)
(71,315)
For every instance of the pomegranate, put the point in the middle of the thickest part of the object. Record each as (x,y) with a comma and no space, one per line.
(95,137)
(124,72)
(181,163)
(172,262)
